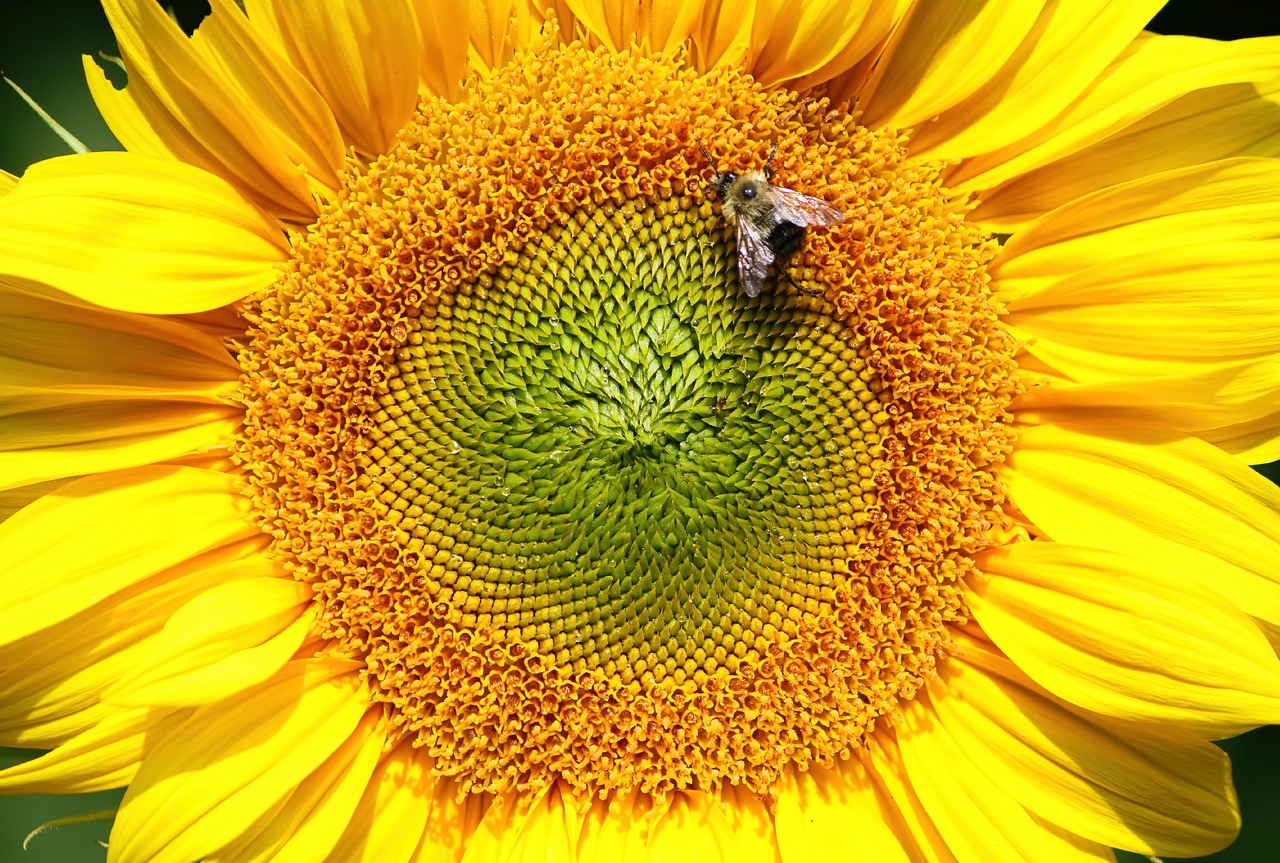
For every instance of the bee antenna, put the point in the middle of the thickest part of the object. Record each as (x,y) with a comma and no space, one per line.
(768,172)
(707,155)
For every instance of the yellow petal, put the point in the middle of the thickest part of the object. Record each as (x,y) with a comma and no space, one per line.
(307,825)
(104,756)
(52,681)
(1180,272)
(1203,126)
(546,828)
(392,813)
(1153,72)
(1231,199)
(95,435)
(885,768)
(792,39)
(722,33)
(223,100)
(812,42)
(1210,520)
(14,499)
(213,460)
(1271,632)
(450,825)
(698,828)
(941,55)
(140,127)
(221,324)
(1113,634)
(857,51)
(980,820)
(130,352)
(208,779)
(693,826)
(818,809)
(1144,787)
(444,29)
(1071,44)
(136,234)
(664,24)
(8,182)
(87,391)
(498,28)
(361,57)
(1197,304)
(617,829)
(752,825)
(1213,401)
(229,638)
(1253,442)
(45,726)
(126,527)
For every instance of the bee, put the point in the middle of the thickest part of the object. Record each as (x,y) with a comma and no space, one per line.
(771,220)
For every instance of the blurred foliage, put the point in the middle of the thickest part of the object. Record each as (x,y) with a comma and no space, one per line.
(75,843)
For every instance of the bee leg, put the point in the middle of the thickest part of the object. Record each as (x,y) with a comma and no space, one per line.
(799,287)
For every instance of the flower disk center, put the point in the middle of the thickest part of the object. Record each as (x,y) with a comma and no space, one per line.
(585,511)
(627,464)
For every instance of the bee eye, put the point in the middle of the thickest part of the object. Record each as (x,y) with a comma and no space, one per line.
(748,192)
(729,177)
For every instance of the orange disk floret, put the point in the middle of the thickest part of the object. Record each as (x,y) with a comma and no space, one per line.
(585,510)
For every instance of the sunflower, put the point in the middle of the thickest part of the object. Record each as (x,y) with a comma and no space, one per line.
(396,469)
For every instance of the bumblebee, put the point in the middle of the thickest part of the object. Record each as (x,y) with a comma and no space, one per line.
(771,221)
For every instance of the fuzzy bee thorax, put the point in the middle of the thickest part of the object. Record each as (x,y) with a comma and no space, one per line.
(743,196)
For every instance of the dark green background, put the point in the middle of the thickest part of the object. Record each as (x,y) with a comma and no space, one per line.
(40,47)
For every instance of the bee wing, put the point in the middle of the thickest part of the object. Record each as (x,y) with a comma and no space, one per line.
(754,257)
(801,209)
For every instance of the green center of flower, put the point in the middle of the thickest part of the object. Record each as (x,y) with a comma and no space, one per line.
(586,512)
(627,461)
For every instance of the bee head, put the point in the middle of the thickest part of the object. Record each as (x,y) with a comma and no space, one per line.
(732,188)
(721,183)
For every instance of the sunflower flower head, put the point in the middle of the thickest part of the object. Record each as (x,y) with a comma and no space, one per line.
(587,479)
(479,513)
